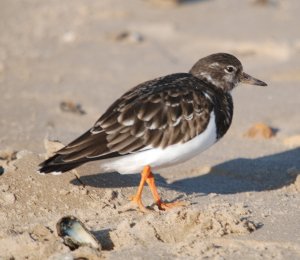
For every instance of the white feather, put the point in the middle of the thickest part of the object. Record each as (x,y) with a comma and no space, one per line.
(56,173)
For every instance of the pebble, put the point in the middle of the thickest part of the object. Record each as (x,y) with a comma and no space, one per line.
(71,107)
(260,130)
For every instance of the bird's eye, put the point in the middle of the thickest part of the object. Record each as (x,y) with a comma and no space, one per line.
(229,69)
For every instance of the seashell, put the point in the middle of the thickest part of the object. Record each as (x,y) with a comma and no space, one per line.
(75,234)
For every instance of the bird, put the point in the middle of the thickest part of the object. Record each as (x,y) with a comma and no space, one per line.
(161,122)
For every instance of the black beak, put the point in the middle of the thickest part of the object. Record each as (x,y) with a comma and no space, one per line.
(247,79)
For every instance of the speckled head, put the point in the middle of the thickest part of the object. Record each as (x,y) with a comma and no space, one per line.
(224,71)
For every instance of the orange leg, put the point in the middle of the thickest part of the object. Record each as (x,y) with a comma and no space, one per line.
(147,176)
(161,205)
(137,198)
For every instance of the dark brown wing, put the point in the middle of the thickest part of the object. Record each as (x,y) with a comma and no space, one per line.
(158,113)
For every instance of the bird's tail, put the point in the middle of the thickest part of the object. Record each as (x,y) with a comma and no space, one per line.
(56,165)
(88,147)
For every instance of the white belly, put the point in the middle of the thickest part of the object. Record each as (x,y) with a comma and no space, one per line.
(158,158)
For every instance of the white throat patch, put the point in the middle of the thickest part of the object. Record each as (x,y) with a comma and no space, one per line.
(208,77)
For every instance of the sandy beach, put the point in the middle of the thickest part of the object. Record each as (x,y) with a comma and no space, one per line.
(63,63)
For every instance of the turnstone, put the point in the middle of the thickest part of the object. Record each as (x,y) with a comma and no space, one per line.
(158,123)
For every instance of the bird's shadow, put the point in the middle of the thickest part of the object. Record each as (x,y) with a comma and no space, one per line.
(103,236)
(234,176)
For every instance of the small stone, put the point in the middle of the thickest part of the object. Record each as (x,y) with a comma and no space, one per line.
(260,130)
(71,107)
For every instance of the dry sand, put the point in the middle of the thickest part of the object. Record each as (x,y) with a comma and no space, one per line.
(63,63)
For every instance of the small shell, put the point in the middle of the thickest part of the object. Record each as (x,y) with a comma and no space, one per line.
(75,234)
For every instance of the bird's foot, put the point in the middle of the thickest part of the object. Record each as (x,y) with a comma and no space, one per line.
(134,205)
(137,204)
(166,206)
(136,201)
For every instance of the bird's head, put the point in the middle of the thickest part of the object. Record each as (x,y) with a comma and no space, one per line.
(224,71)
